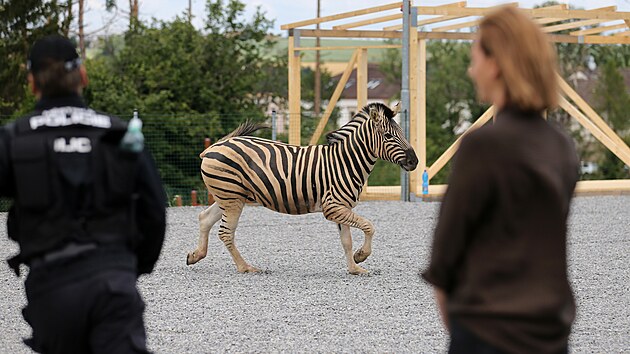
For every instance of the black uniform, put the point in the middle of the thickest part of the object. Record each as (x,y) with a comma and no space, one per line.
(89,218)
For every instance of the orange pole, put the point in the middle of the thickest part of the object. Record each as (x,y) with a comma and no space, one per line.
(178,200)
(206,143)
(193,198)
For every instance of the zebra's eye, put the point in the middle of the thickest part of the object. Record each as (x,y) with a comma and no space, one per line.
(388,136)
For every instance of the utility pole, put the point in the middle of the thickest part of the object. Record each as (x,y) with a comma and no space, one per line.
(318,80)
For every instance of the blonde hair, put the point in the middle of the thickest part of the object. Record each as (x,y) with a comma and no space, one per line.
(525,57)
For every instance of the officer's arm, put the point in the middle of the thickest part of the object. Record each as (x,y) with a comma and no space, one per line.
(6,182)
(150,214)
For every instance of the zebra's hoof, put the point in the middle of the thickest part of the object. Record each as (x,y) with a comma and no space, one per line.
(356,270)
(189,258)
(360,256)
(249,269)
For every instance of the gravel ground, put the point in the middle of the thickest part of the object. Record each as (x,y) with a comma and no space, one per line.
(306,302)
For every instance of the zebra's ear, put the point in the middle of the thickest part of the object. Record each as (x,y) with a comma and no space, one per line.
(396,109)
(374,114)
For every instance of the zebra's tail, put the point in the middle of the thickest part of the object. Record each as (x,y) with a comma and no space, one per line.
(244,129)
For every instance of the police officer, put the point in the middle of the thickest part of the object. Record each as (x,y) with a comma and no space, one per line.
(88,213)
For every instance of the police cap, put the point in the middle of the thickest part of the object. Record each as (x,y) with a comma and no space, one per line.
(50,49)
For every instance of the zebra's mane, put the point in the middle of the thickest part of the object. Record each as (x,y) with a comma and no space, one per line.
(363,115)
(245,129)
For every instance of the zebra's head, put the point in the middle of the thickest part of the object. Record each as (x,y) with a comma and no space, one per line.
(389,141)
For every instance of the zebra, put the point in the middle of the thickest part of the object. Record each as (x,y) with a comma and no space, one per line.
(291,179)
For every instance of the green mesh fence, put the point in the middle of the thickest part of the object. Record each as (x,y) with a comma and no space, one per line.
(175,141)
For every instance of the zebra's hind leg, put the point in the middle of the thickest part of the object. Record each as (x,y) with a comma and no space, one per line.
(346,242)
(232,210)
(207,219)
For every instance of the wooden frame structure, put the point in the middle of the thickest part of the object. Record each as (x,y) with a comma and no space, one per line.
(553,19)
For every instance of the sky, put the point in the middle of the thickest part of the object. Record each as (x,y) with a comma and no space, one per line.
(282,11)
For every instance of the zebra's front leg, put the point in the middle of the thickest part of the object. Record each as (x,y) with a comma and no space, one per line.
(229,222)
(346,242)
(207,219)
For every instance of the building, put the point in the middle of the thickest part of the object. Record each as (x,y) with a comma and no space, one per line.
(380,89)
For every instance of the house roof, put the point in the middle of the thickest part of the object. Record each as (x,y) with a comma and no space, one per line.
(585,83)
(378,86)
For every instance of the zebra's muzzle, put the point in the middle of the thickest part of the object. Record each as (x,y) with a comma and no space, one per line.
(410,162)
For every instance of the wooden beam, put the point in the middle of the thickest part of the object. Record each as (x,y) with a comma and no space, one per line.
(421,147)
(384,46)
(476,22)
(456,26)
(295,95)
(565,14)
(414,177)
(432,20)
(614,187)
(350,34)
(340,16)
(606,40)
(622,34)
(598,30)
(368,22)
(437,191)
(572,25)
(425,22)
(362,78)
(335,97)
(590,113)
(546,20)
(593,129)
(448,154)
(554,38)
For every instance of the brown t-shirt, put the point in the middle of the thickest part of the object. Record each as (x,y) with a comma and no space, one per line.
(499,249)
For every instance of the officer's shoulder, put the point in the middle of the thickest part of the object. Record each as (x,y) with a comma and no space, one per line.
(116,122)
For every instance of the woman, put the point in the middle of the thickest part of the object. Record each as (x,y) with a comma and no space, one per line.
(498,262)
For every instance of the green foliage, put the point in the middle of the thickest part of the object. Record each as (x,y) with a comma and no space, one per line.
(612,97)
(21,23)
(186,83)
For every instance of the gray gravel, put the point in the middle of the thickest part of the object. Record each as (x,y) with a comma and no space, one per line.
(306,302)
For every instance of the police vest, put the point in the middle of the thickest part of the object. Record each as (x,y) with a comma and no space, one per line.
(73,182)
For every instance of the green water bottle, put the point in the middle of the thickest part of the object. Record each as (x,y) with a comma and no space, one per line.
(134,139)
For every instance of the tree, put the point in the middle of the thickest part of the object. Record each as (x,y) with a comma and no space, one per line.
(612,97)
(21,23)
(186,83)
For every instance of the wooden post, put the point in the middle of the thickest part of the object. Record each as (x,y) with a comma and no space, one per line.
(206,143)
(295,87)
(210,199)
(193,198)
(422,105)
(362,78)
(178,200)
(416,175)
